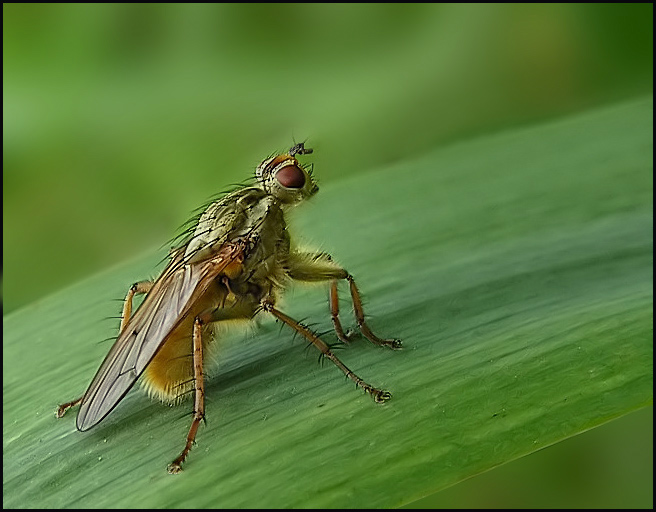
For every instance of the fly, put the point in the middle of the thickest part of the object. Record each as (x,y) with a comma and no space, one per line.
(234,264)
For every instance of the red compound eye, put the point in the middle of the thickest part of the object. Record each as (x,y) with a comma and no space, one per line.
(291,177)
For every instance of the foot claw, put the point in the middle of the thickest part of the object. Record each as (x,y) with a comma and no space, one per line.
(174,468)
(382,396)
(395,344)
(61,410)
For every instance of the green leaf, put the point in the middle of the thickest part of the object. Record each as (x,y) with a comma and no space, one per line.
(517,268)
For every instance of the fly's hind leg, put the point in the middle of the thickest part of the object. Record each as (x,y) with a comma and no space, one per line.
(199,400)
(243,310)
(136,289)
(379,395)
(315,267)
(62,408)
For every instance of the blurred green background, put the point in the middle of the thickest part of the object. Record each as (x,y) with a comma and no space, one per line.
(119,119)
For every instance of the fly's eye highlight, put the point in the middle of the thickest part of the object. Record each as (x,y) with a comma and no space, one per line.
(291,177)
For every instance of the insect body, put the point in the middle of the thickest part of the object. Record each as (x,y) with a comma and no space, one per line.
(233,265)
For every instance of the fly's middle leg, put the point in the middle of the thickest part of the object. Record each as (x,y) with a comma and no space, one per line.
(379,395)
(135,289)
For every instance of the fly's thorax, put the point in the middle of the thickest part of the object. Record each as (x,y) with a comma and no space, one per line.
(284,178)
(250,215)
(270,247)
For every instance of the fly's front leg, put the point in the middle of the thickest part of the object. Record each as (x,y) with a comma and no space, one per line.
(135,289)
(320,267)
(334,314)
(379,395)
(362,324)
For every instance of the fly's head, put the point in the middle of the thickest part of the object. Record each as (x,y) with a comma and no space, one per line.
(283,176)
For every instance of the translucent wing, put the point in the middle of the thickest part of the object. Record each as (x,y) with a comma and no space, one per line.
(167,303)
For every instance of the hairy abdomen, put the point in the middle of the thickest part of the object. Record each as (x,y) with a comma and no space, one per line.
(170,374)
